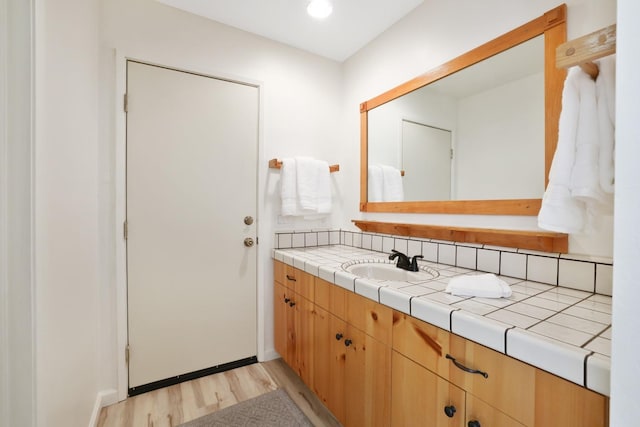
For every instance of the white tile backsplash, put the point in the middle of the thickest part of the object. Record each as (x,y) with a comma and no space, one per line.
(310,239)
(430,251)
(376,243)
(388,243)
(297,240)
(577,275)
(367,240)
(604,279)
(489,261)
(414,247)
(466,257)
(323,238)
(542,269)
(402,245)
(446,254)
(513,265)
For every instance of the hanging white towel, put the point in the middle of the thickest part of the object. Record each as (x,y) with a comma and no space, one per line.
(480,285)
(288,187)
(374,184)
(307,177)
(559,211)
(392,190)
(305,188)
(323,200)
(605,94)
(585,176)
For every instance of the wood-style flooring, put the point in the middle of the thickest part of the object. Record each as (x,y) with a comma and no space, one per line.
(171,406)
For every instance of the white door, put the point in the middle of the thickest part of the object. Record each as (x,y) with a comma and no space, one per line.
(426,161)
(191,181)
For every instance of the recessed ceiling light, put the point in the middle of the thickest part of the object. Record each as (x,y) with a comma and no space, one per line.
(320,9)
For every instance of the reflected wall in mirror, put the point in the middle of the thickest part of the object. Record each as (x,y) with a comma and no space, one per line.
(474,135)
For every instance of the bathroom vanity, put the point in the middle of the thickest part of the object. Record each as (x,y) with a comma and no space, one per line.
(374,365)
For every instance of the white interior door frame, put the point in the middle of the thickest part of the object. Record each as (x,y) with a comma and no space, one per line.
(121,59)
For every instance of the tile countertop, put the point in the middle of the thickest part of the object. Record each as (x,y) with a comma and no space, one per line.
(563,331)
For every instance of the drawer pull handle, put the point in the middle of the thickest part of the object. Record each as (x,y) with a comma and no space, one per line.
(291,278)
(464,368)
(450,411)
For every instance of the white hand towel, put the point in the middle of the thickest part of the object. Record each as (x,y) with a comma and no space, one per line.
(481,285)
(392,190)
(307,178)
(324,188)
(605,94)
(374,184)
(288,187)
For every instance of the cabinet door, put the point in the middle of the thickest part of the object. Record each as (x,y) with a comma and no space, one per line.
(419,397)
(486,415)
(369,316)
(368,380)
(280,308)
(304,338)
(509,386)
(279,272)
(330,297)
(560,403)
(303,284)
(329,361)
(290,355)
(422,342)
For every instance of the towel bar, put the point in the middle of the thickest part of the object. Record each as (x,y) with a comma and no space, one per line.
(277,164)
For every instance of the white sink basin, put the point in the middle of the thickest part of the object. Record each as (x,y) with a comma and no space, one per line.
(378,270)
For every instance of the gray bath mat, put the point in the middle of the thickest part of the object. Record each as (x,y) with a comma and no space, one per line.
(273,409)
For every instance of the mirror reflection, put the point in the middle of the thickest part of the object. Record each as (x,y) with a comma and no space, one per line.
(477,134)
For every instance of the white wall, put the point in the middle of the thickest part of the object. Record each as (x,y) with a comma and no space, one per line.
(625,368)
(17,350)
(436,32)
(66,210)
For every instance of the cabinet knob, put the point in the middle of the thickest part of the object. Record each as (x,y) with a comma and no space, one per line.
(473,423)
(339,336)
(291,304)
(286,300)
(347,342)
(450,410)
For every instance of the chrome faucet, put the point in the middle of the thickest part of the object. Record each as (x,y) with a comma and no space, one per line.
(404,262)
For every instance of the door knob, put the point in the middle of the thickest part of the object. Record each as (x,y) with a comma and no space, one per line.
(248,220)
(248,242)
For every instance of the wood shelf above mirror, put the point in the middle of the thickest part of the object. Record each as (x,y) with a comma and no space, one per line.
(533,240)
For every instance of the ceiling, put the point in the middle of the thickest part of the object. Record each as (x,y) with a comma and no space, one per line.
(353,23)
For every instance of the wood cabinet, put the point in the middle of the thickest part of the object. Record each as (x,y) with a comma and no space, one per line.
(293,320)
(512,393)
(373,366)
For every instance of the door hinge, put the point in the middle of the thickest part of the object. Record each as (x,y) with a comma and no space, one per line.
(125,230)
(126,354)
(451,152)
(257,240)
(126,103)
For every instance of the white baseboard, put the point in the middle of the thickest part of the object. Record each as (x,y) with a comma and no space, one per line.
(104,398)
(270,355)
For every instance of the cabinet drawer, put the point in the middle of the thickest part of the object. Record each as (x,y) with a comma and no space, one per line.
(421,342)
(509,385)
(303,282)
(369,316)
(486,415)
(331,297)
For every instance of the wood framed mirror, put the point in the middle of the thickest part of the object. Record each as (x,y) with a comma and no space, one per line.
(550,29)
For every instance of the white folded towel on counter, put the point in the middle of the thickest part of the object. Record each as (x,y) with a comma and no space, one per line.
(480,285)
